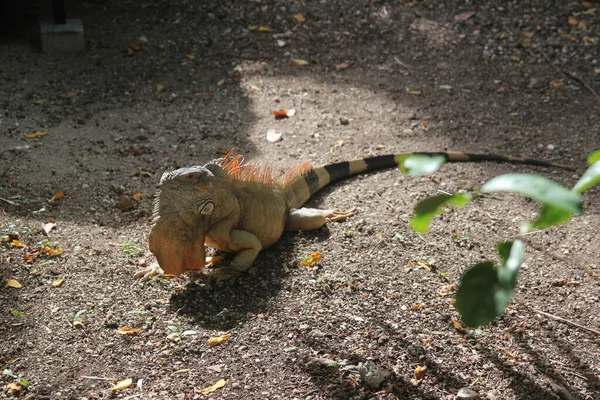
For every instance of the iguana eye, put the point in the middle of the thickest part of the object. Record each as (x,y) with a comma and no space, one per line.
(207,208)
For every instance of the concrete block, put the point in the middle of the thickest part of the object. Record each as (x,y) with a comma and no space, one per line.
(67,38)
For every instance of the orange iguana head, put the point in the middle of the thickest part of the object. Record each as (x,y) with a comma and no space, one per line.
(182,211)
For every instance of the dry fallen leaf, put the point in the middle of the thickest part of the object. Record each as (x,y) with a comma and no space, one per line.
(16,243)
(416,306)
(297,61)
(56,197)
(36,134)
(68,95)
(273,136)
(50,252)
(464,16)
(122,385)
(216,340)
(589,39)
(128,331)
(591,11)
(221,82)
(191,56)
(283,113)
(312,259)
(40,101)
(134,46)
(47,227)
(299,17)
(14,387)
(214,387)
(160,88)
(572,21)
(137,196)
(457,325)
(341,67)
(414,92)
(420,372)
(13,283)
(58,282)
(265,29)
(515,58)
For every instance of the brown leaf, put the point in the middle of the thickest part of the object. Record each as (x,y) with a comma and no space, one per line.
(572,21)
(14,387)
(341,67)
(217,340)
(13,283)
(16,243)
(414,92)
(283,113)
(312,259)
(299,17)
(68,95)
(128,331)
(56,197)
(464,16)
(137,196)
(36,134)
(50,252)
(134,46)
(420,372)
(457,325)
(214,387)
(416,306)
(265,29)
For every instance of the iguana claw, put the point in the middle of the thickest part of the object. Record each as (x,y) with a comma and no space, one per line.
(338,215)
(146,273)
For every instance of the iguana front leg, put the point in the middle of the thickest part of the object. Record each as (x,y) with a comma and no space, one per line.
(155,270)
(245,245)
(304,219)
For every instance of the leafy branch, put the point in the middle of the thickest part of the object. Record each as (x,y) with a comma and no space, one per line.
(486,289)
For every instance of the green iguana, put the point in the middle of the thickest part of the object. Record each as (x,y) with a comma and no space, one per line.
(242,208)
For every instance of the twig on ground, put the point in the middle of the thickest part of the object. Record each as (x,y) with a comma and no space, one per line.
(12,203)
(570,75)
(98,378)
(566,321)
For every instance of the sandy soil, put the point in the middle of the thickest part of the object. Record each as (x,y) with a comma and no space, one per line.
(164,84)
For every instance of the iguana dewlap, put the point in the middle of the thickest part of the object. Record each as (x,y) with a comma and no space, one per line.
(241,208)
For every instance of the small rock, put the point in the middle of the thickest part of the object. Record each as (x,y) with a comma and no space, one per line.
(550,147)
(373,374)
(467,394)
(344,121)
(124,203)
(318,334)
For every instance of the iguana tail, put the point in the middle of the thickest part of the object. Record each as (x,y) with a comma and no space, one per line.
(304,186)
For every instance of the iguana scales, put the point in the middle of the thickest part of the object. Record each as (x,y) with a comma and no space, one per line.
(242,208)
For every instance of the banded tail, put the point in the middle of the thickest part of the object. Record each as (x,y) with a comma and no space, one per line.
(302,188)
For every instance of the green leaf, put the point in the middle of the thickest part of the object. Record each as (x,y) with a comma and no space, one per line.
(189,333)
(511,254)
(419,165)
(485,291)
(590,178)
(594,157)
(428,208)
(550,216)
(537,188)
(24,383)
(480,296)
(173,328)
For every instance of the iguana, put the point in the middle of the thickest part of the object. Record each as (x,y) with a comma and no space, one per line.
(242,208)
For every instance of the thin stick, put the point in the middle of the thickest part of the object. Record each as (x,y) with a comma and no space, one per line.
(98,378)
(566,321)
(570,75)
(12,203)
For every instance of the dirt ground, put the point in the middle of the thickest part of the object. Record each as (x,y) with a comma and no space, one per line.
(164,84)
